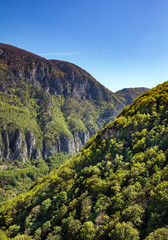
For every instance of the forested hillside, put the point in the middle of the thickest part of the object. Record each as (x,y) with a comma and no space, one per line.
(115,188)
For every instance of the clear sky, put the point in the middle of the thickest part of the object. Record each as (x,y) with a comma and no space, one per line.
(122,43)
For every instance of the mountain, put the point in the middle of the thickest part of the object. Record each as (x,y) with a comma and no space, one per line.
(48,106)
(129,94)
(48,111)
(116,187)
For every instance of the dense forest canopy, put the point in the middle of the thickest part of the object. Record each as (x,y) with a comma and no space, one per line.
(115,188)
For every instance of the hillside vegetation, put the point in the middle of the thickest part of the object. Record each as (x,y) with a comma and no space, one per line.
(48,110)
(115,188)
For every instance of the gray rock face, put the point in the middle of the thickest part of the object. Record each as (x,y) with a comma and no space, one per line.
(30,145)
(18,146)
(66,144)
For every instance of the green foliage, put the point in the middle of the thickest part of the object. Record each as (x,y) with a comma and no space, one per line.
(3,235)
(45,206)
(19,177)
(37,234)
(134,214)
(124,231)
(159,234)
(23,237)
(74,229)
(56,160)
(87,231)
(115,188)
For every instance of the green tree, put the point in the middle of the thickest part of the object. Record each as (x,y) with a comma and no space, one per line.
(133,214)
(3,235)
(159,234)
(37,234)
(73,229)
(45,206)
(23,237)
(87,231)
(124,231)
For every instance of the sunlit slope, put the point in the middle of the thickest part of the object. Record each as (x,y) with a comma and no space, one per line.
(115,188)
(48,110)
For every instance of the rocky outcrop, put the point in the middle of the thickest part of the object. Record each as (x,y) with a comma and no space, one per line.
(18,146)
(66,144)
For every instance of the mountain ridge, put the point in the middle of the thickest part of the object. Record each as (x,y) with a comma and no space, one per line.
(26,56)
(40,87)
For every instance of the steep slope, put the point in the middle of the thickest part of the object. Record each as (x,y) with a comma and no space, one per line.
(48,109)
(115,188)
(48,106)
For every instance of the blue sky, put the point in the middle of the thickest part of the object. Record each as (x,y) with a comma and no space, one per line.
(122,43)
